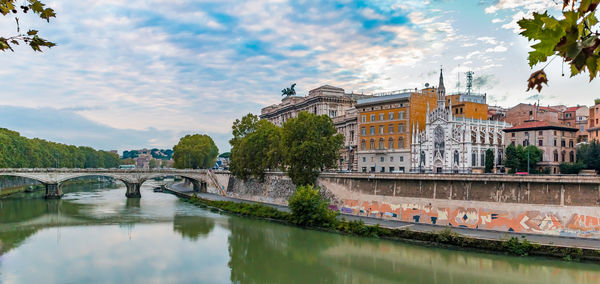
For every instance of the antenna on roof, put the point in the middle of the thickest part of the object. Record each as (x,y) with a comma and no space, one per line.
(469,81)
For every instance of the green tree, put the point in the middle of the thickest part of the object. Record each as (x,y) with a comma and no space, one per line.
(589,155)
(308,208)
(37,8)
(153,164)
(574,37)
(489,160)
(225,155)
(516,158)
(195,151)
(256,152)
(511,160)
(309,145)
(571,168)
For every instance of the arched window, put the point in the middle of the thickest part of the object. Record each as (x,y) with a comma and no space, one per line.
(571,143)
(363,144)
(562,156)
(401,143)
(391,143)
(571,157)
(372,144)
(381,145)
(456,157)
(555,156)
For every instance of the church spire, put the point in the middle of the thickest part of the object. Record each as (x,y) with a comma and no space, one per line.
(441,92)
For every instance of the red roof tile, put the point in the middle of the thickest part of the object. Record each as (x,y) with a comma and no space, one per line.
(572,108)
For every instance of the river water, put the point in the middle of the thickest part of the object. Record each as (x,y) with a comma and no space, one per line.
(96,235)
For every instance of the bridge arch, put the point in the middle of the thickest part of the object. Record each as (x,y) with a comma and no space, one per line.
(199,182)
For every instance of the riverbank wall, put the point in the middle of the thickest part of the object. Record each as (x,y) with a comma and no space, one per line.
(552,205)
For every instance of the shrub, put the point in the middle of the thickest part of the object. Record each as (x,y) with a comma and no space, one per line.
(310,209)
(571,168)
(518,248)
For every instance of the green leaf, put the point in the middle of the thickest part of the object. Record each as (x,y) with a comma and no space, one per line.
(592,65)
(32,32)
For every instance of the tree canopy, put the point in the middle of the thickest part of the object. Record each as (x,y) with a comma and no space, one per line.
(21,152)
(195,151)
(516,158)
(309,145)
(255,147)
(31,37)
(574,37)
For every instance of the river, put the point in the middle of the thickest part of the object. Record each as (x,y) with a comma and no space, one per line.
(96,235)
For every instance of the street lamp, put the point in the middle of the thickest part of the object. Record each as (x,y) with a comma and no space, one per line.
(527,135)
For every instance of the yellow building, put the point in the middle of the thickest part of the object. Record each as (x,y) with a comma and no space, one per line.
(468,105)
(385,123)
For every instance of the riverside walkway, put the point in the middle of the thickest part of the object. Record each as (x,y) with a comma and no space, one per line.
(182,190)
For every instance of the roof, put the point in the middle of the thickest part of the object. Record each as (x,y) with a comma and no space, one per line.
(549,109)
(539,125)
(382,99)
(569,109)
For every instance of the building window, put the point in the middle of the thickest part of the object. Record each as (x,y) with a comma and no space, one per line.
(482,158)
(382,159)
(372,144)
(562,143)
(372,117)
(512,134)
(401,143)
(391,143)
(571,157)
(391,116)
(363,145)
(554,142)
(400,115)
(456,157)
(381,116)
(372,130)
(363,131)
(364,159)
(391,128)
(352,135)
(332,113)
(381,146)
(555,156)
(382,170)
(540,143)
(363,118)
(401,159)
(381,129)
(364,169)
(541,132)
(571,143)
(391,158)
(474,159)
(400,128)
(524,143)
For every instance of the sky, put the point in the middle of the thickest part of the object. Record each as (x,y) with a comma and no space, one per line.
(134,74)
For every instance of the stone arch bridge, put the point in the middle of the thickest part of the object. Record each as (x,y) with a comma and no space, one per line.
(52,179)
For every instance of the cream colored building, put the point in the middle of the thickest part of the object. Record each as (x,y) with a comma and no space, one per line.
(325,100)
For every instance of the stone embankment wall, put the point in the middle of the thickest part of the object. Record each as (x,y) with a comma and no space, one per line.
(555,205)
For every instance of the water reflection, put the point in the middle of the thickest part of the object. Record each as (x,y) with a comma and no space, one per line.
(160,239)
(193,227)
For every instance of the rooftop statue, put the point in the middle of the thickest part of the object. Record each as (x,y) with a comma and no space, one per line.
(289,91)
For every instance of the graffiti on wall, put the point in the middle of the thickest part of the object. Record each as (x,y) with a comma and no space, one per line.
(479,218)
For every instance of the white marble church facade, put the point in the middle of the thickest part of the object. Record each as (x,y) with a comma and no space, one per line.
(452,144)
